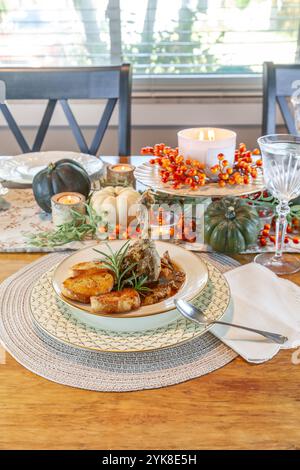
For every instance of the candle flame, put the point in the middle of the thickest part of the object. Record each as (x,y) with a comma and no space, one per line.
(210,135)
(201,135)
(68,199)
(122,168)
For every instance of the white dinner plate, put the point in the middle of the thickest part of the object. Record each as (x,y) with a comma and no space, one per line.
(195,270)
(22,168)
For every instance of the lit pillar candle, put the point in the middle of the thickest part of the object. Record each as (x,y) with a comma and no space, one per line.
(62,205)
(204,144)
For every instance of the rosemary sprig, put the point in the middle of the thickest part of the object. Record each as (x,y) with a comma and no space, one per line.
(114,261)
(138,283)
(81,227)
(265,201)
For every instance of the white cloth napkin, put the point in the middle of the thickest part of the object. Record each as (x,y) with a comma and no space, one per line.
(261,300)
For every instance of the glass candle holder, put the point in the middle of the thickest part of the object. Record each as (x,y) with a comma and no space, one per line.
(62,205)
(162,232)
(121,174)
(162,224)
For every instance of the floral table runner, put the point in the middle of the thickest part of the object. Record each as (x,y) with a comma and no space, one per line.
(20,215)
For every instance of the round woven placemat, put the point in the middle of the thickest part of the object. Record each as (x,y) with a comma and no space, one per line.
(94,370)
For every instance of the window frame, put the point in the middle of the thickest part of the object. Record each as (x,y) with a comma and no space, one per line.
(207,85)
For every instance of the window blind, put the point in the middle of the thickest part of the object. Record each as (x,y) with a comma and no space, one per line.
(157,36)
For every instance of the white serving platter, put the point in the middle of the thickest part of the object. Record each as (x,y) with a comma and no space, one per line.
(149,176)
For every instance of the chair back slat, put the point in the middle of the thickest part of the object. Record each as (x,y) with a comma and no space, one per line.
(278,86)
(125,108)
(44,126)
(14,128)
(74,126)
(103,124)
(62,84)
(286,75)
(286,114)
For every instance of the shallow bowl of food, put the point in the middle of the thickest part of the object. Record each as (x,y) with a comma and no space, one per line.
(126,325)
(188,278)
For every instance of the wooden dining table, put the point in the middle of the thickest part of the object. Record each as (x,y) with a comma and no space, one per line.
(240,406)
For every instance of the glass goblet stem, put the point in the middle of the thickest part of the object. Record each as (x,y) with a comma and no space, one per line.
(283,209)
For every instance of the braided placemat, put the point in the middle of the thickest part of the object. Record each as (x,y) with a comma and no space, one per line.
(90,370)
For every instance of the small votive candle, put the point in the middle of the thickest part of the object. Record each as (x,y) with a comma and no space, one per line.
(121,174)
(164,232)
(204,144)
(162,224)
(62,205)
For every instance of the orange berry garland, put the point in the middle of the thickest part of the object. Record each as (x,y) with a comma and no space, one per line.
(180,172)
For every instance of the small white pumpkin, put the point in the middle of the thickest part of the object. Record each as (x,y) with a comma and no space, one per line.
(114,203)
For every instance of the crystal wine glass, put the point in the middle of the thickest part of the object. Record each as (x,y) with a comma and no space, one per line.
(281,163)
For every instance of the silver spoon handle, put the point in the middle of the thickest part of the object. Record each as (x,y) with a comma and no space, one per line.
(276,338)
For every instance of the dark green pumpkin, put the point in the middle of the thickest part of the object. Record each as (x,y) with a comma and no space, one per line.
(64,175)
(230,225)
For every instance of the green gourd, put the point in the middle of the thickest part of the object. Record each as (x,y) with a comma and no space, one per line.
(63,175)
(231,225)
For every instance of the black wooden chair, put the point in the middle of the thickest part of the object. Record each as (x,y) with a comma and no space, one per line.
(62,84)
(278,81)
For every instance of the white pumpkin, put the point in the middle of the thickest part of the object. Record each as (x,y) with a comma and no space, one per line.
(114,203)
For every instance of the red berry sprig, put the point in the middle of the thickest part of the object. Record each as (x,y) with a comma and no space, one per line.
(245,167)
(266,236)
(174,168)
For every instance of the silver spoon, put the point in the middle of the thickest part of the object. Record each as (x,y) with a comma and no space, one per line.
(194,314)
